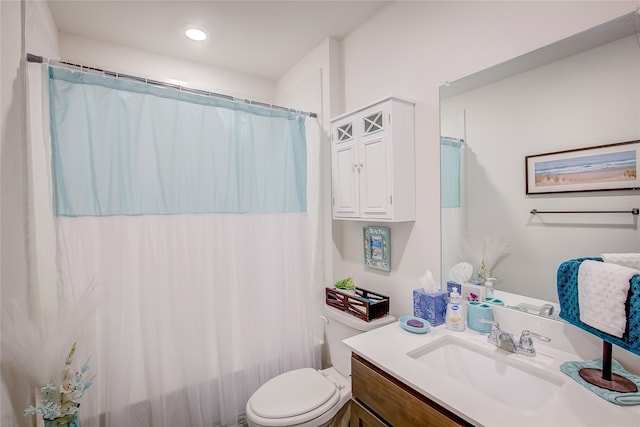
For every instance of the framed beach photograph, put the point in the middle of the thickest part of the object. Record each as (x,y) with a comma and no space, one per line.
(377,250)
(600,168)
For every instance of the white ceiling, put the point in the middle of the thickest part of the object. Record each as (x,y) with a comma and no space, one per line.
(260,38)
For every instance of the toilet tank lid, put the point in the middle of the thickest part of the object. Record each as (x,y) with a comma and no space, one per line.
(356,323)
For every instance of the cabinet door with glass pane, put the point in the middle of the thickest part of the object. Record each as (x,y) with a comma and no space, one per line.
(345,197)
(372,161)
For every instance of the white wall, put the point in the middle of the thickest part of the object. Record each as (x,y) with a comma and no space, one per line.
(585,100)
(409,50)
(146,64)
(12,226)
(41,37)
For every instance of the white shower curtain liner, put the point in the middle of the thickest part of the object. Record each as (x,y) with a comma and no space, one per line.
(41,222)
(198,310)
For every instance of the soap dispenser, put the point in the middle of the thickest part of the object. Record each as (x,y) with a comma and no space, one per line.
(488,287)
(454,319)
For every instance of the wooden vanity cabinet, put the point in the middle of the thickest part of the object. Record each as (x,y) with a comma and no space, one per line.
(361,417)
(378,399)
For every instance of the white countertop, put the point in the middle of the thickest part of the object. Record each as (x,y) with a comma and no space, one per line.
(571,405)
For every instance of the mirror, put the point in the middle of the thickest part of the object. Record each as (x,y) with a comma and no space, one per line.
(580,92)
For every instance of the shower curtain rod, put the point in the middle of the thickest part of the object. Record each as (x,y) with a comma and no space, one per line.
(40,59)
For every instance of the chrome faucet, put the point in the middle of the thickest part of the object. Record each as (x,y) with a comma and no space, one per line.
(505,340)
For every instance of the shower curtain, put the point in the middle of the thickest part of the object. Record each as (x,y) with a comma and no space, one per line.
(451,197)
(190,214)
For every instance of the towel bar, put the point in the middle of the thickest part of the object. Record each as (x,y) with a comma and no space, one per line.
(633,211)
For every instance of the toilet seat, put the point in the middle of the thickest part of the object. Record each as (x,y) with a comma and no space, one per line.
(293,398)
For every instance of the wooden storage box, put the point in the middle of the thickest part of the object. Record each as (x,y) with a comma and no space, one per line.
(363,304)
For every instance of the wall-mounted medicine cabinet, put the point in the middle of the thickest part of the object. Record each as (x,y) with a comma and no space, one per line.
(372,163)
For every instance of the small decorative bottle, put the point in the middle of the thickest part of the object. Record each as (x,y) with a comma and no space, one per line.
(488,287)
(454,319)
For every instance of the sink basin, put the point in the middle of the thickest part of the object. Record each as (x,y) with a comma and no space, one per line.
(492,372)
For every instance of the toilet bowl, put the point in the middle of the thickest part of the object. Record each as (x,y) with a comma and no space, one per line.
(308,397)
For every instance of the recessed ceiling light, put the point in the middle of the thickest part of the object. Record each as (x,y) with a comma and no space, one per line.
(195,34)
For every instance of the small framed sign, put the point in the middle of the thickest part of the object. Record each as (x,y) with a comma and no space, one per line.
(377,250)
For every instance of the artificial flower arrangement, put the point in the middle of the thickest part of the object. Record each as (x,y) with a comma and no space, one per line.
(61,403)
(492,253)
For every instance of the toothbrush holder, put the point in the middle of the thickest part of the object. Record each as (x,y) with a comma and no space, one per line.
(494,301)
(479,310)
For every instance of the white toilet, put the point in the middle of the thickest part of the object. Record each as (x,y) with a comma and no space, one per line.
(307,397)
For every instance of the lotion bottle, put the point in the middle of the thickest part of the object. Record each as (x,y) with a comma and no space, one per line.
(454,318)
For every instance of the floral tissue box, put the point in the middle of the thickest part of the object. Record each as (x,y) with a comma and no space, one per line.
(431,307)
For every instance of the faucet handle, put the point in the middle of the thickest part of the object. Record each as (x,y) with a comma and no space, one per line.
(493,323)
(494,332)
(526,343)
(528,333)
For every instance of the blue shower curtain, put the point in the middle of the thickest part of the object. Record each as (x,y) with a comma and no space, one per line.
(450,157)
(123,147)
(451,194)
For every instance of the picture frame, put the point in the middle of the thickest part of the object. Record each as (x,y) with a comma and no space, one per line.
(599,168)
(377,248)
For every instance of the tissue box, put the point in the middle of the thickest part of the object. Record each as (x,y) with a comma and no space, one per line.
(430,306)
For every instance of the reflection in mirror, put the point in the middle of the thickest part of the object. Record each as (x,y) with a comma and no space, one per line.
(580,92)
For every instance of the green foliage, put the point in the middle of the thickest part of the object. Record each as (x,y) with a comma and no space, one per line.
(346,284)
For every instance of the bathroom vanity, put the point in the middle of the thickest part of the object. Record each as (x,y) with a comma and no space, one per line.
(447,378)
(378,399)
